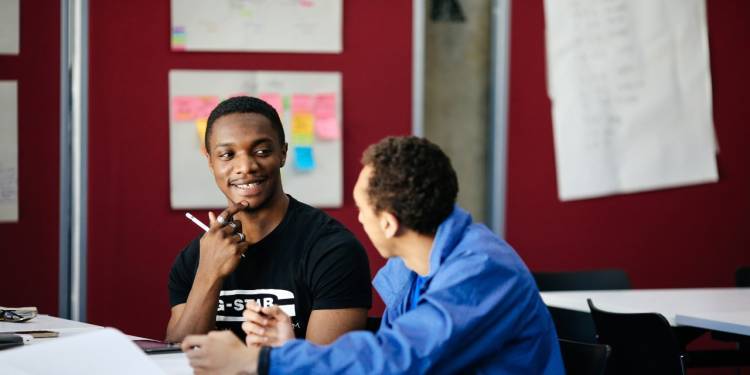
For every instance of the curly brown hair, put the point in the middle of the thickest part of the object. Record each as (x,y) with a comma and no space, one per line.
(413,179)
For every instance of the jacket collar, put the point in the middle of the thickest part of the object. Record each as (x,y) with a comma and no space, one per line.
(394,279)
(449,233)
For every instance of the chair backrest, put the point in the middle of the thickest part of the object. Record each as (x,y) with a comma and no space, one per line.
(576,325)
(742,276)
(581,358)
(642,343)
(603,279)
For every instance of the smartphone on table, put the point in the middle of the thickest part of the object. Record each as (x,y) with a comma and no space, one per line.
(157,347)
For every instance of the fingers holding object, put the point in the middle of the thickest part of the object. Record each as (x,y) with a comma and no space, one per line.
(192,342)
(255,317)
(226,215)
(275,312)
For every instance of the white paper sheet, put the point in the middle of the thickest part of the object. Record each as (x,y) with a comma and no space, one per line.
(257,25)
(8,151)
(104,351)
(173,363)
(630,87)
(9,27)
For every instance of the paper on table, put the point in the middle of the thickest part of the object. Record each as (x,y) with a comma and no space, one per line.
(631,92)
(104,351)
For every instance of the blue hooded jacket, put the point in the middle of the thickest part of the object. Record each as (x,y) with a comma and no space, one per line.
(479,311)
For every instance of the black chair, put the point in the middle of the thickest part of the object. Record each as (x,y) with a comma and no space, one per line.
(742,277)
(581,358)
(576,325)
(642,343)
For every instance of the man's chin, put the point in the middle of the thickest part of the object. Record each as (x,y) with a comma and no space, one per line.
(255,203)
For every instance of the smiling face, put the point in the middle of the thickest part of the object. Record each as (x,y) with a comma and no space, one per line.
(245,156)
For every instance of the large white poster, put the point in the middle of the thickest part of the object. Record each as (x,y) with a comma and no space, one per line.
(257,25)
(8,151)
(630,87)
(9,27)
(309,105)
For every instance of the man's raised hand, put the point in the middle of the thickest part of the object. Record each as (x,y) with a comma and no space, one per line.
(266,326)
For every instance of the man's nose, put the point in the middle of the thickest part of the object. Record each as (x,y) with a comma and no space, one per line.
(245,164)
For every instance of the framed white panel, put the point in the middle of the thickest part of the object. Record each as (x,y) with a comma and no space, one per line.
(257,25)
(313,171)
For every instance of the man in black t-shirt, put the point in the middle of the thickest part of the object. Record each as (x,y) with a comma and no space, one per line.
(266,246)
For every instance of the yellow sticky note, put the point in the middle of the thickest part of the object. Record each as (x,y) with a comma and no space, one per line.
(303,128)
(200,127)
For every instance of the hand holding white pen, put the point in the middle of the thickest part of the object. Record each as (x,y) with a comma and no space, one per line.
(223,244)
(196,221)
(205,227)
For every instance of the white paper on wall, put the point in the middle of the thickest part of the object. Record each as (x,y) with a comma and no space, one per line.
(630,87)
(9,27)
(8,151)
(257,25)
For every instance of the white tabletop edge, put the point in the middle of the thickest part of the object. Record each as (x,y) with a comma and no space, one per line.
(713,324)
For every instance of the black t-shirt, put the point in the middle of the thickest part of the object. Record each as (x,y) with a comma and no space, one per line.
(308,262)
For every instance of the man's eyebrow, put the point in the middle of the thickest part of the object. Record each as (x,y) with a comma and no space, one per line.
(255,143)
(262,140)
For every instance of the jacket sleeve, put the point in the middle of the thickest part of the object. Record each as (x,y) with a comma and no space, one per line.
(468,310)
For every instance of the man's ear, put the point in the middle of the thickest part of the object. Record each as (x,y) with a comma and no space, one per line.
(284,148)
(389,224)
(208,159)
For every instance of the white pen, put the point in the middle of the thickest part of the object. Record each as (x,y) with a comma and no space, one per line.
(196,221)
(200,224)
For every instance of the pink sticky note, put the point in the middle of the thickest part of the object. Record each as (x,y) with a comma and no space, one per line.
(302,103)
(204,106)
(274,100)
(183,108)
(326,123)
(327,128)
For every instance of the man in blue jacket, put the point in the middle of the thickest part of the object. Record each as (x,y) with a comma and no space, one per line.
(458,298)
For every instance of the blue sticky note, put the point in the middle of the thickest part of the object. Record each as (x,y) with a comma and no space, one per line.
(303,158)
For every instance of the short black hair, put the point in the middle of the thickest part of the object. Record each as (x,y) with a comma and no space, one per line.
(245,104)
(413,179)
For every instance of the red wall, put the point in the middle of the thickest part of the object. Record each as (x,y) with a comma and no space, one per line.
(685,237)
(29,249)
(134,235)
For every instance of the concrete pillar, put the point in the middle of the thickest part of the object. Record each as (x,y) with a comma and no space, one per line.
(457,87)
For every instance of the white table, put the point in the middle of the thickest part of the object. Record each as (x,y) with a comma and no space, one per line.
(719,309)
(48,323)
(171,363)
(737,322)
